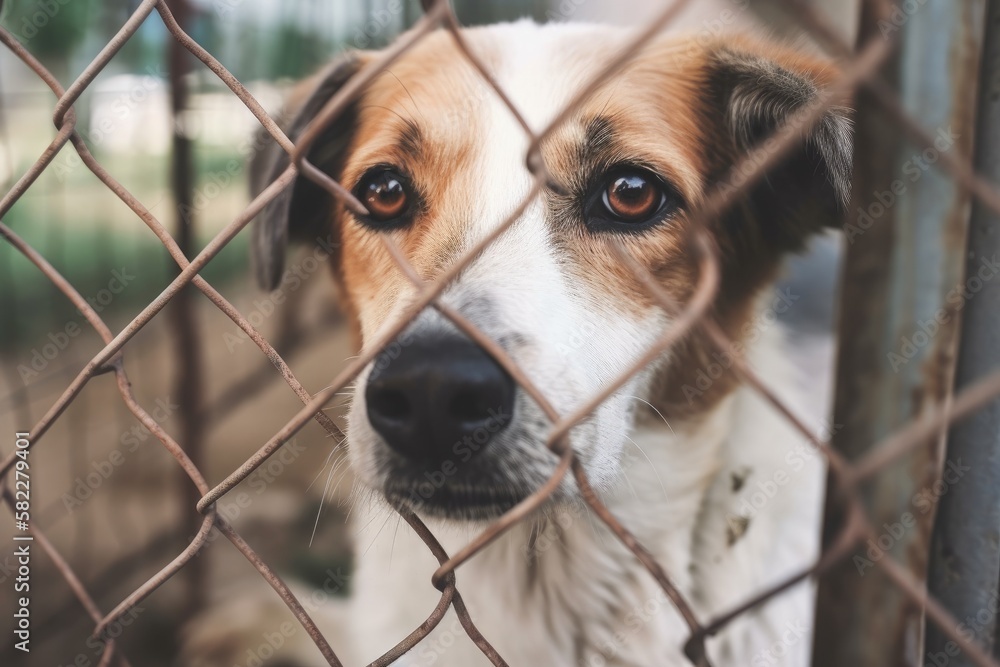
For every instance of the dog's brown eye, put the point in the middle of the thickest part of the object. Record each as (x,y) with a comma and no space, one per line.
(384,194)
(629,199)
(632,197)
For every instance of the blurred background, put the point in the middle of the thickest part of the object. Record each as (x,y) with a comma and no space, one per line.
(106,493)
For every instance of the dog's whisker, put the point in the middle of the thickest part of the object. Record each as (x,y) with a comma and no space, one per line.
(656,411)
(344,471)
(347,388)
(329,457)
(601,535)
(354,498)
(322,500)
(340,466)
(392,547)
(375,539)
(363,528)
(629,483)
(655,471)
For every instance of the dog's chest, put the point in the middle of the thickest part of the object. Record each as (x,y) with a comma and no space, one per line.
(577,597)
(562,592)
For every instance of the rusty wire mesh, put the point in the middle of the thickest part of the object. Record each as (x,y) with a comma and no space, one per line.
(859,69)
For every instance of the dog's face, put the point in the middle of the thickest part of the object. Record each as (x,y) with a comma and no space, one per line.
(439,162)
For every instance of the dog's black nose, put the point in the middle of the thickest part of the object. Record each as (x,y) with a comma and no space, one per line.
(438,397)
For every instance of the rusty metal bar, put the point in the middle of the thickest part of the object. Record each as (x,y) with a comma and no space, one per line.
(906,234)
(965,551)
(182,313)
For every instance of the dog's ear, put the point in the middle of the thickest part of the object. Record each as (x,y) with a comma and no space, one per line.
(754,92)
(304,209)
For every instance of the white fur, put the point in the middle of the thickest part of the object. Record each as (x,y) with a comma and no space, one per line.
(585,600)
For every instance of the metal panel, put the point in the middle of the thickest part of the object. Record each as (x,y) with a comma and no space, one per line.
(907,237)
(965,553)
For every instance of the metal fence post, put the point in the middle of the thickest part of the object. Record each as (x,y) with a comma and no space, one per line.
(906,234)
(188,383)
(965,551)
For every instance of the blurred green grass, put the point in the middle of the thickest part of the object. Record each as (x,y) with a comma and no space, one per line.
(86,242)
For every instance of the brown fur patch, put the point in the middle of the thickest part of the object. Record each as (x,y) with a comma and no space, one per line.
(657,113)
(419,115)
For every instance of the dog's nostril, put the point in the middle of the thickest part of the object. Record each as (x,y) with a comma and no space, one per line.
(391,404)
(437,393)
(469,407)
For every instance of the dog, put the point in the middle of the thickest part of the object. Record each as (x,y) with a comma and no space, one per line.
(718,486)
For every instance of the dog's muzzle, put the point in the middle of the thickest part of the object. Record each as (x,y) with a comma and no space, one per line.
(449,433)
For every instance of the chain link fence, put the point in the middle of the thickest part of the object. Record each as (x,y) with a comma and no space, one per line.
(860,69)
